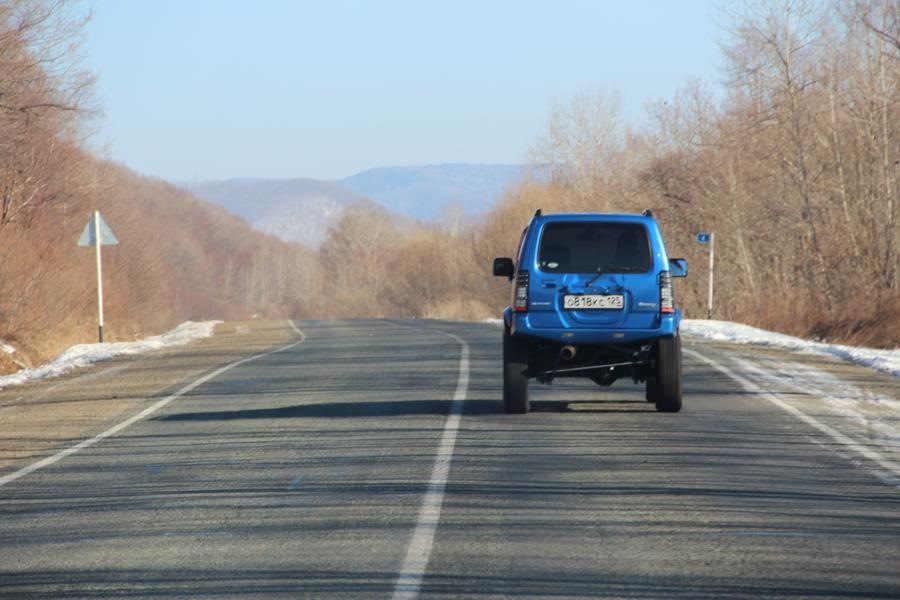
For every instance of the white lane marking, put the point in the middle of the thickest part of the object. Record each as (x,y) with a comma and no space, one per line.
(419,550)
(890,466)
(141,415)
(300,333)
(844,398)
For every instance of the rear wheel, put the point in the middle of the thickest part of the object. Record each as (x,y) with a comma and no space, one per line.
(667,385)
(515,382)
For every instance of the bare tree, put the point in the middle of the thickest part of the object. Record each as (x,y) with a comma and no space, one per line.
(772,53)
(583,141)
(883,19)
(44,96)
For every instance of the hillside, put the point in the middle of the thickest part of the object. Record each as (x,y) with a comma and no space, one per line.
(294,210)
(303,210)
(178,258)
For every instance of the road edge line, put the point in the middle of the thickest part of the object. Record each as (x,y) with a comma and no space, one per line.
(58,456)
(892,467)
(418,552)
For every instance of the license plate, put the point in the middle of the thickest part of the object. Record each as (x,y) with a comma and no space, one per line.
(590,301)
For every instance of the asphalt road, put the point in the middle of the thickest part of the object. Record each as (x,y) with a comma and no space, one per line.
(371,459)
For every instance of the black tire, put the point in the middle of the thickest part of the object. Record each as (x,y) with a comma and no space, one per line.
(667,387)
(515,382)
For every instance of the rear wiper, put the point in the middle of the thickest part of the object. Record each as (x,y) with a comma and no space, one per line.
(595,277)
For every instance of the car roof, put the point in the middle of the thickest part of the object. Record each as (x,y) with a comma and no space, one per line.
(589,217)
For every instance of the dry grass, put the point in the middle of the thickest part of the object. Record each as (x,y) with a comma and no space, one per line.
(459,309)
(872,322)
(7,364)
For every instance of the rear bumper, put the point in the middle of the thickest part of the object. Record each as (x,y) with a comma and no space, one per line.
(518,326)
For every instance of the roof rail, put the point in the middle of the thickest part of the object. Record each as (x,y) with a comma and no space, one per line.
(647,213)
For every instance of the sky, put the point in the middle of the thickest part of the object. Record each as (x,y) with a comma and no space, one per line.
(195,90)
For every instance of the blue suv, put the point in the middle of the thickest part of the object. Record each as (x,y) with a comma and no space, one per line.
(592,297)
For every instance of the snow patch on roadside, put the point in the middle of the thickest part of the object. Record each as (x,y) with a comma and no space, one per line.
(83,355)
(886,361)
(6,348)
(864,407)
(857,419)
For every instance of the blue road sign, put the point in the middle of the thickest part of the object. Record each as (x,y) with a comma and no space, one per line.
(703,238)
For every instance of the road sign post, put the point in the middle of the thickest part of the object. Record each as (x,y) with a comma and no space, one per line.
(709,238)
(97,233)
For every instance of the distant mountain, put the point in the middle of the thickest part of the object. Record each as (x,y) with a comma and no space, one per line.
(301,210)
(295,210)
(422,192)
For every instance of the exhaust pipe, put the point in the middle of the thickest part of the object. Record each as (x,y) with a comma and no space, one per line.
(568,352)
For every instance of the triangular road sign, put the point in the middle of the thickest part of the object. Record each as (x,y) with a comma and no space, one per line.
(88,237)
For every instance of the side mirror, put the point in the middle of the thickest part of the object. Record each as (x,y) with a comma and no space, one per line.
(503,267)
(678,267)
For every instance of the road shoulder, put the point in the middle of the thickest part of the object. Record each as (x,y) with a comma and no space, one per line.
(41,416)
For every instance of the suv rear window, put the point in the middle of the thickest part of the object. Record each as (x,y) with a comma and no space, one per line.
(585,247)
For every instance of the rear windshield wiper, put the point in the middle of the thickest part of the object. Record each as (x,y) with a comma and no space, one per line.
(595,277)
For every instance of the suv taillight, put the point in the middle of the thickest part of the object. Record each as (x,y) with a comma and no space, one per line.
(520,292)
(666,296)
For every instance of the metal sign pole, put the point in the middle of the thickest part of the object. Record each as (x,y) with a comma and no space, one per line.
(712,253)
(99,273)
(97,233)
